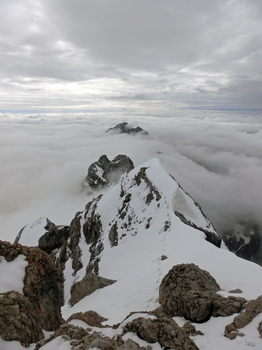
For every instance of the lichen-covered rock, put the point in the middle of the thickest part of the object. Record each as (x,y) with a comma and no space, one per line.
(43,283)
(18,319)
(104,171)
(163,330)
(188,291)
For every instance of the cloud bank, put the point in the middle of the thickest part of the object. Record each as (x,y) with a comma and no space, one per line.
(138,56)
(216,158)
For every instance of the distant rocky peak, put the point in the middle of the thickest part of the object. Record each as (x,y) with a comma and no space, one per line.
(125,128)
(104,172)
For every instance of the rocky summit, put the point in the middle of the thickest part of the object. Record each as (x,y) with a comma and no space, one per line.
(141,267)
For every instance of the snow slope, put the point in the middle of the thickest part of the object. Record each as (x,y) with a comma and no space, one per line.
(151,239)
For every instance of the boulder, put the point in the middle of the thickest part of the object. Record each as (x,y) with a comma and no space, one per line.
(125,128)
(43,283)
(104,171)
(163,330)
(18,319)
(188,291)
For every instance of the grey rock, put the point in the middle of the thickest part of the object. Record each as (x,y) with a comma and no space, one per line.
(125,128)
(243,239)
(104,171)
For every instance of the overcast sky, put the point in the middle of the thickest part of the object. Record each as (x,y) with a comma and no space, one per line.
(132,56)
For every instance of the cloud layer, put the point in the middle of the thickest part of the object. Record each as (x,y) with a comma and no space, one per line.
(138,56)
(44,158)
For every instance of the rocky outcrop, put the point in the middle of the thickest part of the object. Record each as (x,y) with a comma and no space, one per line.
(43,283)
(188,291)
(90,317)
(104,171)
(125,128)
(252,309)
(243,239)
(18,319)
(87,286)
(84,339)
(163,330)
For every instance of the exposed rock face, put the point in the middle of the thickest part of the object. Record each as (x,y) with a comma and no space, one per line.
(124,128)
(163,330)
(87,286)
(43,283)
(104,171)
(243,239)
(18,319)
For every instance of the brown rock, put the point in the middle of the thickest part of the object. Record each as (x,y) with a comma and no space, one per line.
(87,286)
(90,317)
(18,319)
(163,330)
(43,283)
(226,306)
(191,330)
(188,291)
(252,309)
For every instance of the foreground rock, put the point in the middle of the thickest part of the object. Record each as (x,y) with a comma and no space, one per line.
(104,171)
(190,292)
(18,319)
(43,283)
(125,128)
(163,330)
(252,309)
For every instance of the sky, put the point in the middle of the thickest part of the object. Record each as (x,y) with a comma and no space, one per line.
(137,57)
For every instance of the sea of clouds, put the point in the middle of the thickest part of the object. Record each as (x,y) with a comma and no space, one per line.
(215,156)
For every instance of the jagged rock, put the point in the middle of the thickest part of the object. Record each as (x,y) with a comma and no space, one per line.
(82,339)
(243,238)
(87,286)
(125,128)
(104,171)
(43,283)
(252,309)
(163,330)
(90,317)
(18,319)
(188,291)
(53,239)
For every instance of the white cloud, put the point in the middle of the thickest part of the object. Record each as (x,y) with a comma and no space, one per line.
(216,158)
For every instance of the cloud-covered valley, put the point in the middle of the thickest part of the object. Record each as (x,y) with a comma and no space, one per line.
(215,157)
